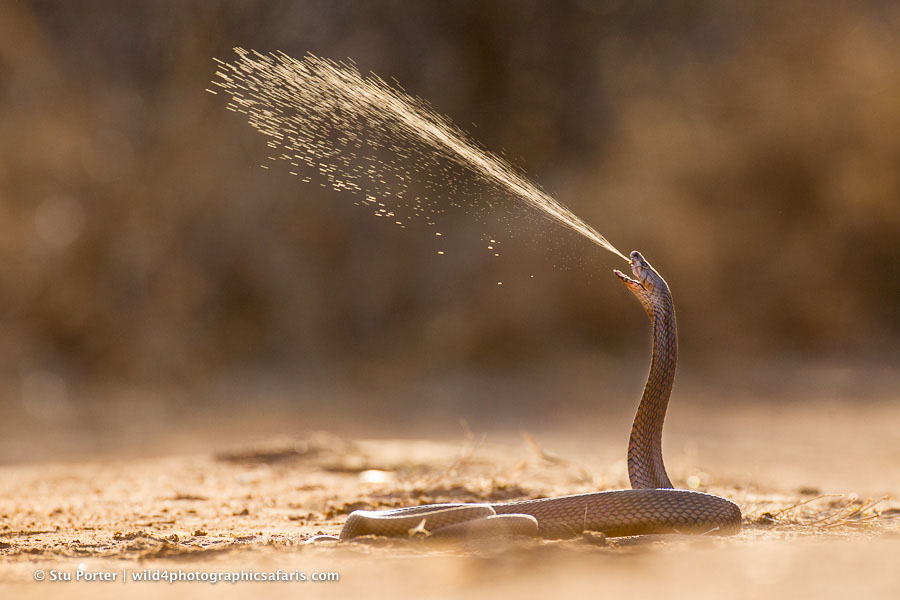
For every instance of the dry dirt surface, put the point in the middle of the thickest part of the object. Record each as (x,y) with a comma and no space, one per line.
(818,486)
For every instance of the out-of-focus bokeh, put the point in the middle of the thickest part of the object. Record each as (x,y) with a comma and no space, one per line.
(749,150)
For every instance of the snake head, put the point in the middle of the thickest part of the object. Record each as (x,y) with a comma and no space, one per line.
(647,281)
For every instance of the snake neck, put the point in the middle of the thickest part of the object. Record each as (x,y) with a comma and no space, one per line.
(645,460)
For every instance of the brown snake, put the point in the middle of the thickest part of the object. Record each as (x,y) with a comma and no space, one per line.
(651,507)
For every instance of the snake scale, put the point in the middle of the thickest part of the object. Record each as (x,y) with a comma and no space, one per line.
(653,506)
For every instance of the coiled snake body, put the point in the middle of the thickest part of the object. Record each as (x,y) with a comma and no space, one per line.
(651,507)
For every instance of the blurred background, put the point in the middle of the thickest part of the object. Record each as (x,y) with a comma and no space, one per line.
(154,277)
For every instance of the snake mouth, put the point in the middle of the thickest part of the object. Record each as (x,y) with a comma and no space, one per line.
(639,267)
(638,264)
(628,280)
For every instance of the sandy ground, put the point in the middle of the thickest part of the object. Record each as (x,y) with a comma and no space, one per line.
(803,475)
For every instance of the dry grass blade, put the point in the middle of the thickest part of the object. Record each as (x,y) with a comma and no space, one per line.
(781,511)
(854,514)
(554,459)
(843,511)
(468,447)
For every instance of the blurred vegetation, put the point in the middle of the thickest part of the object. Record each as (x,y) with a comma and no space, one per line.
(750,150)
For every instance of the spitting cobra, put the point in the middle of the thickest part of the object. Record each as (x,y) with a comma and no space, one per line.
(652,506)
